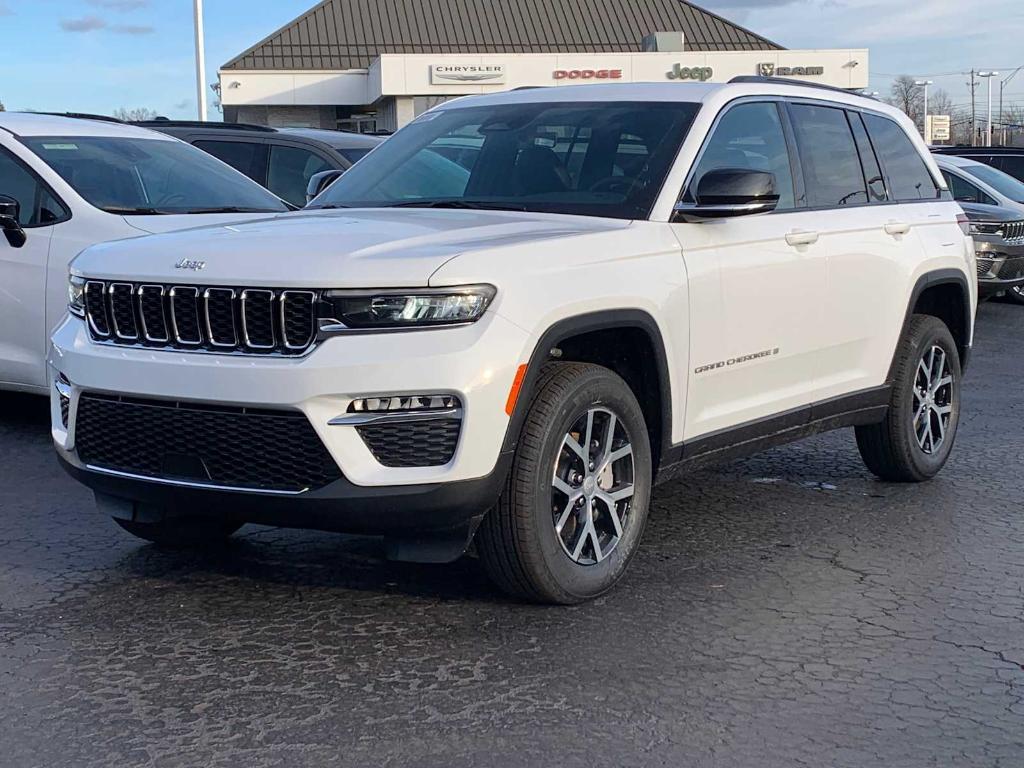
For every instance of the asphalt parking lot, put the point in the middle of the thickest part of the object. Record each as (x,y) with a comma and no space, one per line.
(786,610)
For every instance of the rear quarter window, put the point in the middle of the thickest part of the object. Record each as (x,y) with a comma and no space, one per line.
(908,176)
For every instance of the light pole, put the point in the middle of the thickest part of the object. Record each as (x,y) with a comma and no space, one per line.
(988,130)
(925,84)
(200,59)
(1002,84)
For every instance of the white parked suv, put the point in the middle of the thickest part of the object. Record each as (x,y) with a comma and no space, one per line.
(619,283)
(66,184)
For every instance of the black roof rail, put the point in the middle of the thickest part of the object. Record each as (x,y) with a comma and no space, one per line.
(800,83)
(83,116)
(165,123)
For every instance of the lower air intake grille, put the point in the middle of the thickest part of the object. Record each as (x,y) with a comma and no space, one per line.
(412,444)
(1012,269)
(259,450)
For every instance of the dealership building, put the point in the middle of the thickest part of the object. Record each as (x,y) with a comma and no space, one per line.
(372,65)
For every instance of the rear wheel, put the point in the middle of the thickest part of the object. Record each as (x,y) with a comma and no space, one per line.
(182,532)
(575,506)
(914,441)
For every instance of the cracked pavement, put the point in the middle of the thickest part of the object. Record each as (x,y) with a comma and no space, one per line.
(785,610)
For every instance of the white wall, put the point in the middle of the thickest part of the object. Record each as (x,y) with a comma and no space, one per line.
(409,75)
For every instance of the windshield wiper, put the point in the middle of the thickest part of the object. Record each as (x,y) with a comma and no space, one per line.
(326,207)
(477,205)
(128,211)
(229,209)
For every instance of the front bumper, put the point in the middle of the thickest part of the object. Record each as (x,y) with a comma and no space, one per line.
(476,363)
(1000,266)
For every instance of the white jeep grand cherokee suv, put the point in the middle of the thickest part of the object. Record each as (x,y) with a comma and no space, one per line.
(604,285)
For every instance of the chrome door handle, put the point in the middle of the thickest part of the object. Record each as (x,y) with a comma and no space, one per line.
(801,237)
(897,228)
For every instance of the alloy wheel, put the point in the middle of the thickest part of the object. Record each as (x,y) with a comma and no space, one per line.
(933,399)
(592,486)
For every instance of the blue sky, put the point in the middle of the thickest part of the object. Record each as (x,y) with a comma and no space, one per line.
(98,55)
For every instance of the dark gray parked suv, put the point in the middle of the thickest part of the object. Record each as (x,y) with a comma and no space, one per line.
(281,159)
(1009,160)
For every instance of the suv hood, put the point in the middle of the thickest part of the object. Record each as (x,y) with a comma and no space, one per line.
(982,212)
(174,222)
(359,248)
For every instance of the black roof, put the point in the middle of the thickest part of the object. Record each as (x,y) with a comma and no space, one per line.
(331,138)
(968,150)
(351,34)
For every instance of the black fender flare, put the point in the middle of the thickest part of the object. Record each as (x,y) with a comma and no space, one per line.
(930,280)
(588,323)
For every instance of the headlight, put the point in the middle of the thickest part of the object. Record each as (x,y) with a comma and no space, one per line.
(76,295)
(989,228)
(357,310)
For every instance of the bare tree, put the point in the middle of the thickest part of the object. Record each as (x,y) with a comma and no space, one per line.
(131,115)
(904,95)
(1012,131)
(939,103)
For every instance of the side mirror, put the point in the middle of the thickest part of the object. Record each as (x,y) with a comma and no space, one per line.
(10,214)
(318,182)
(727,192)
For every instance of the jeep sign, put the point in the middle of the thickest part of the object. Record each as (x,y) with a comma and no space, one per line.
(679,72)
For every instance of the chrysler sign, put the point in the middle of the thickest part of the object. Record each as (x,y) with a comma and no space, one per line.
(467,73)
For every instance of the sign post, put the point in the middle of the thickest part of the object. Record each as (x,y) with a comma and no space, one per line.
(936,128)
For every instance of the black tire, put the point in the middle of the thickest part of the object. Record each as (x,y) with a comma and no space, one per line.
(1016,295)
(182,532)
(891,450)
(517,543)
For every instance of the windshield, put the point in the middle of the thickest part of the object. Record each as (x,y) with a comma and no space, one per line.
(150,176)
(353,155)
(588,158)
(1003,183)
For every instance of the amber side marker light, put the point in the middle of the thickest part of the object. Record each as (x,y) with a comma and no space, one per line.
(513,394)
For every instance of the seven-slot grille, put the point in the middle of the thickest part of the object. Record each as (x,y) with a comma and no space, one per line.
(211,319)
(1013,231)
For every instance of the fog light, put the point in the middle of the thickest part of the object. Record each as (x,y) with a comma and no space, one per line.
(63,387)
(400,409)
(404,403)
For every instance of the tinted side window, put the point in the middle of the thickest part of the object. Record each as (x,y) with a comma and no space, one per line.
(1013,165)
(909,178)
(872,171)
(249,157)
(749,136)
(832,171)
(965,192)
(289,171)
(38,206)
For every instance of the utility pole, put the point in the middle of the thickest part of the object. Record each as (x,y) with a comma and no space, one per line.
(974,126)
(200,60)
(988,126)
(1002,84)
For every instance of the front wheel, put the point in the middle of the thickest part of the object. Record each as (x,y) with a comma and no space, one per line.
(1016,294)
(575,505)
(914,441)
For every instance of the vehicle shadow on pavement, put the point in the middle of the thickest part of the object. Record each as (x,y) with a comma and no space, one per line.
(17,408)
(273,559)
